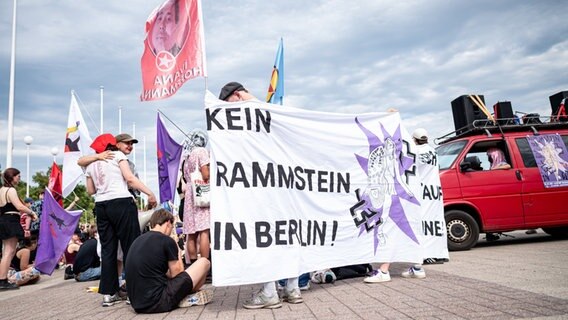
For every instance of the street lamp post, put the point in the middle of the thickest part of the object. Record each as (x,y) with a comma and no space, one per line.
(28,140)
(54,152)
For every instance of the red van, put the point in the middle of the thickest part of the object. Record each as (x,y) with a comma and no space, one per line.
(479,200)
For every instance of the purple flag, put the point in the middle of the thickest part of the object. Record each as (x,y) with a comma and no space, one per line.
(551,159)
(56,228)
(169,155)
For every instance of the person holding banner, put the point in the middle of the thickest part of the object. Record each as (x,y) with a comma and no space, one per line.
(267,297)
(117,214)
(10,228)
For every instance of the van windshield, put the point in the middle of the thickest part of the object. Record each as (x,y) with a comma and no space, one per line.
(447,153)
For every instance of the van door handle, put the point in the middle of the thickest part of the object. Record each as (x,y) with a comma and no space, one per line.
(519,175)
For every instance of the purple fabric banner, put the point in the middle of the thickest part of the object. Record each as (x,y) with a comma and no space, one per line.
(169,155)
(56,228)
(551,158)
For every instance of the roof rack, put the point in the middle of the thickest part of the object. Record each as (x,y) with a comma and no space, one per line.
(488,127)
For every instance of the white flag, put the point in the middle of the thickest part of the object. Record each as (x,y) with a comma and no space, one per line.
(77,144)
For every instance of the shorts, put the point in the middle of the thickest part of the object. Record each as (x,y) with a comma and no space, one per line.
(10,227)
(176,289)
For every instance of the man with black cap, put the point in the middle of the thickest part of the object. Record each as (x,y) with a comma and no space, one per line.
(234,91)
(267,297)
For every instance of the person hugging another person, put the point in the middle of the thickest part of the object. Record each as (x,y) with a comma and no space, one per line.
(117,213)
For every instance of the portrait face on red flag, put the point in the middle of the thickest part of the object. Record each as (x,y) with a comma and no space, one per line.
(170,28)
(173,49)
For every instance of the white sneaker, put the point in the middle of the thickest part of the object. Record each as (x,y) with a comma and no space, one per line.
(378,276)
(414,273)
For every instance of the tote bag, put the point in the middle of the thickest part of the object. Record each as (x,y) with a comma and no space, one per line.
(201,189)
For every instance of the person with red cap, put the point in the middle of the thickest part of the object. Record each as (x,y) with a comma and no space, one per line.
(116,210)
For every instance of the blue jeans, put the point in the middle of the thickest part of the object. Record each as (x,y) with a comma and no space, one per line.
(89,274)
(302,280)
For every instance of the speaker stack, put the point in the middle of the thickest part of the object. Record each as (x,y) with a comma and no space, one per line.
(465,112)
(504,110)
(555,101)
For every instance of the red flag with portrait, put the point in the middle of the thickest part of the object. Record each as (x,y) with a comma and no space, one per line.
(174,48)
(54,185)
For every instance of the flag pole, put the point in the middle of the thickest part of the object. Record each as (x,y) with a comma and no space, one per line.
(119,119)
(134,135)
(175,125)
(10,138)
(144,197)
(102,99)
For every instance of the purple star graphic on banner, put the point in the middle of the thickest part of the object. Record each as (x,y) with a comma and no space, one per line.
(372,215)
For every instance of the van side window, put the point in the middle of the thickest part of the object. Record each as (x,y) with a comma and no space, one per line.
(526,152)
(478,155)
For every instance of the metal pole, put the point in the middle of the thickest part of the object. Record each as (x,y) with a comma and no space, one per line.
(28,171)
(102,96)
(10,138)
(134,135)
(28,140)
(119,119)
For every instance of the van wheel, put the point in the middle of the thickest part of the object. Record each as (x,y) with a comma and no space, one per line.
(558,232)
(463,231)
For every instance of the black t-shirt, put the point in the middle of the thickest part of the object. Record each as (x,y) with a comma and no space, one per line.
(146,267)
(87,257)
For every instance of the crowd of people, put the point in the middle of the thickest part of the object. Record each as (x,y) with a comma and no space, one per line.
(149,270)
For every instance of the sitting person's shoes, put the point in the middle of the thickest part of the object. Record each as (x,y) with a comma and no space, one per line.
(293,296)
(378,276)
(6,285)
(259,300)
(412,272)
(323,276)
(68,273)
(199,298)
(110,300)
(123,294)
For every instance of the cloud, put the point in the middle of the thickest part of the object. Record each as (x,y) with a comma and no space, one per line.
(340,56)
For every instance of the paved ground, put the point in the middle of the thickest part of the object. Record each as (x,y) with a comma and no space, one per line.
(521,278)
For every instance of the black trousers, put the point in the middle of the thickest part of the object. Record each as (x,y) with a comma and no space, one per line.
(117,220)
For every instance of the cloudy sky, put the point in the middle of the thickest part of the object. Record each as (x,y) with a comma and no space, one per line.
(340,56)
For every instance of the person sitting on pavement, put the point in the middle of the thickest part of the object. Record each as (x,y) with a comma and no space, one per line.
(22,271)
(72,248)
(87,265)
(157,281)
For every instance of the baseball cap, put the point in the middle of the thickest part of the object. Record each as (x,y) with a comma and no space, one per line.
(102,141)
(125,137)
(28,200)
(420,134)
(229,89)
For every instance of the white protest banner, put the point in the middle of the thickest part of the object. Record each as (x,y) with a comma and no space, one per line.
(434,231)
(295,190)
